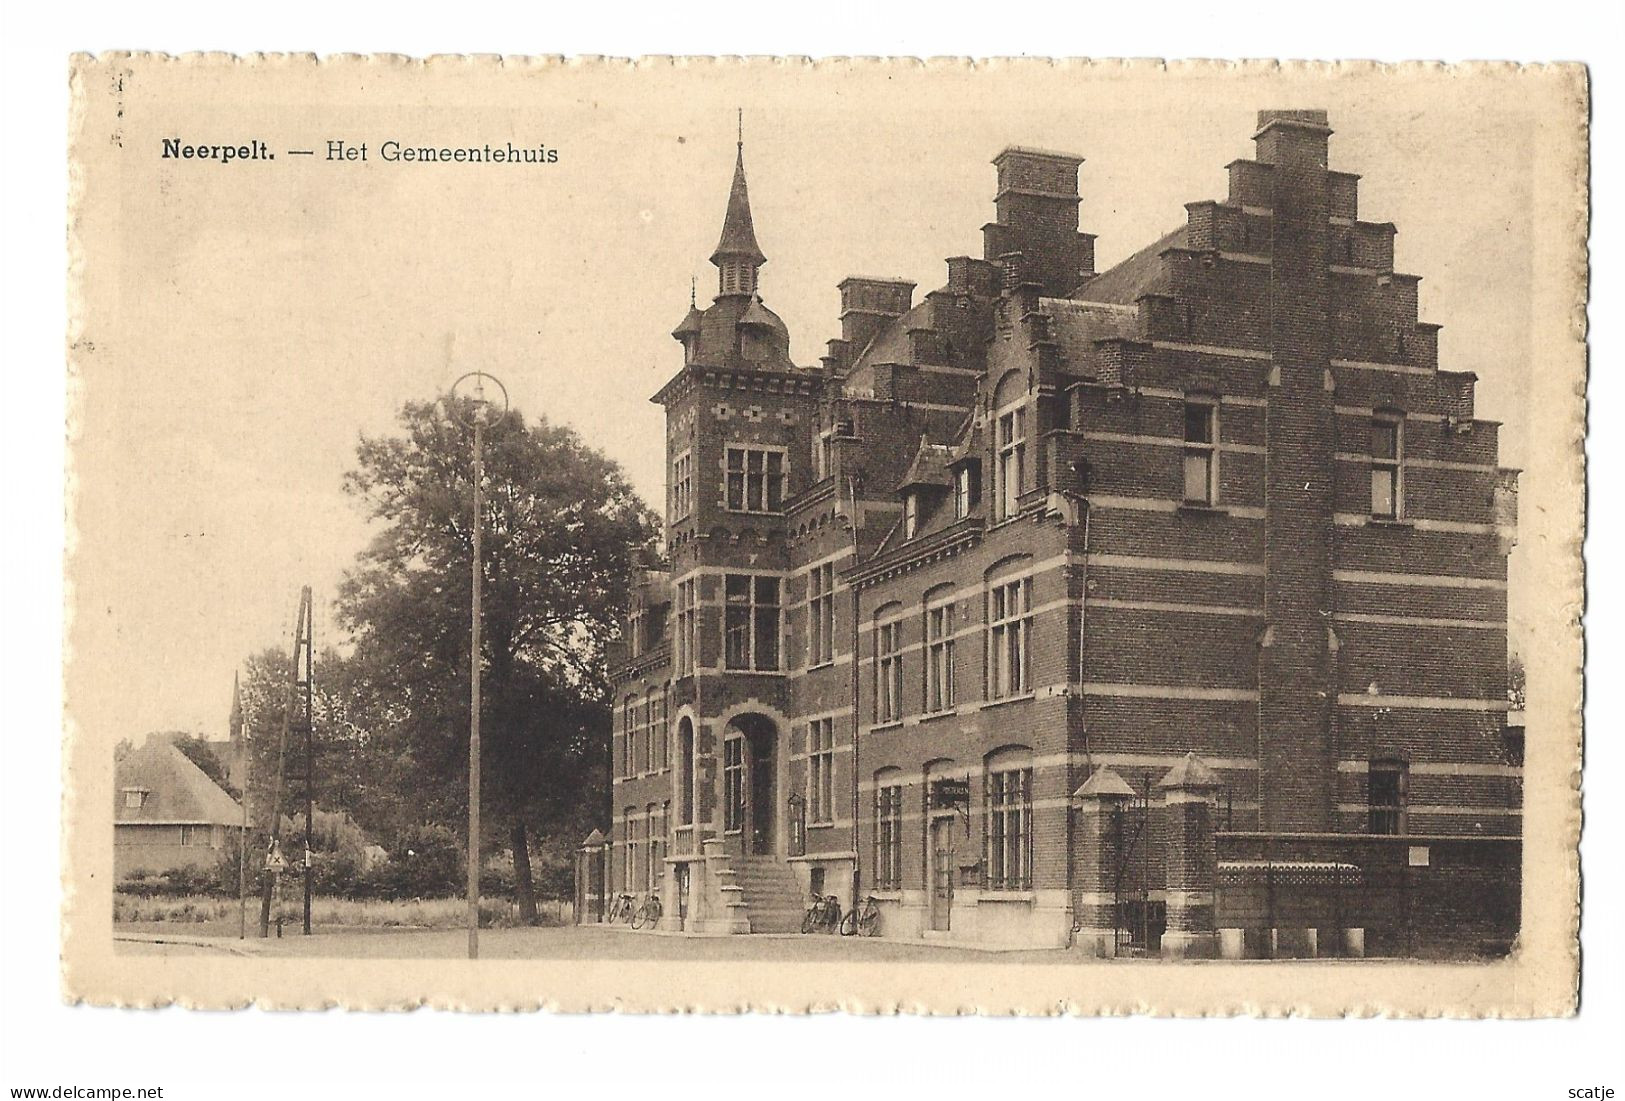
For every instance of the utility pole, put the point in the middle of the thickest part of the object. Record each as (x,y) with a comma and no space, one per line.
(479,413)
(274,860)
(238,736)
(310,744)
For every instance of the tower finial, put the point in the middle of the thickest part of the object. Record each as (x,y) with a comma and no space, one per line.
(693,283)
(741,129)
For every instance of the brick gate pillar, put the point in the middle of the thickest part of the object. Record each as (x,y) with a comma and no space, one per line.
(1098,837)
(1190,796)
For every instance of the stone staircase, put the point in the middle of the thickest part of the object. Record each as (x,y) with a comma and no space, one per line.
(774,902)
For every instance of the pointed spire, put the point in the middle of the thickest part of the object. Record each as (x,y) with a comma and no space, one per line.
(738,233)
(236,719)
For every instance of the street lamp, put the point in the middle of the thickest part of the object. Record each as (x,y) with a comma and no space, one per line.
(477,411)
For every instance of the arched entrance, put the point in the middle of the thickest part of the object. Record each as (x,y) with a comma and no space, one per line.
(750,783)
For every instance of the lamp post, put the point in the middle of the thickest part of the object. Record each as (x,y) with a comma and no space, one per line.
(477,412)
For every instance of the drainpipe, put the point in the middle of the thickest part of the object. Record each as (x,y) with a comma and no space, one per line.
(1071,822)
(857,858)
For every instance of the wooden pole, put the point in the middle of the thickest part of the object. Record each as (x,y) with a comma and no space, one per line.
(474,705)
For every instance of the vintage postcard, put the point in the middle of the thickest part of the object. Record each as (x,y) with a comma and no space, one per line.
(718,534)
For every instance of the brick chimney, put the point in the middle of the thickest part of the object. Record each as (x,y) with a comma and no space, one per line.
(867,304)
(1037,203)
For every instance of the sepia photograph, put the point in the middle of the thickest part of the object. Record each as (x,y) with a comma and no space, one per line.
(1025,536)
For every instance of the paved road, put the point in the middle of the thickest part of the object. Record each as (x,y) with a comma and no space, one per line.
(566,943)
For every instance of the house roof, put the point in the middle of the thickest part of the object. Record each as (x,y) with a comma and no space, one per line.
(738,231)
(178,791)
(1141,273)
(930,466)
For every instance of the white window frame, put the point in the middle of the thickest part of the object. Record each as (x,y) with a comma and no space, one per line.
(1010,427)
(1010,828)
(820,615)
(911,514)
(965,489)
(821,772)
(1203,451)
(756,633)
(889,835)
(939,656)
(824,454)
(1392,468)
(682,485)
(760,490)
(688,618)
(888,670)
(733,783)
(1009,633)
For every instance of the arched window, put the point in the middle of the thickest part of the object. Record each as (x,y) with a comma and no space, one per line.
(889,829)
(629,735)
(1009,830)
(1010,442)
(685,771)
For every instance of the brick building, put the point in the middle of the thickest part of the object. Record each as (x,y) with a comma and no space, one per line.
(1162,607)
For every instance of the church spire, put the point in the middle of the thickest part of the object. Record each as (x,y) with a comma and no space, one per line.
(737,255)
(236,720)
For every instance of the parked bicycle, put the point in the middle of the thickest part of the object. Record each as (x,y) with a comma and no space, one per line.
(648,914)
(619,910)
(823,915)
(863,920)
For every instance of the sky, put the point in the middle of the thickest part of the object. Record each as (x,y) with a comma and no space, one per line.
(247,324)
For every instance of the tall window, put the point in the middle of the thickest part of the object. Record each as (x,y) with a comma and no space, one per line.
(939,657)
(821,770)
(682,486)
(1387,444)
(888,835)
(629,871)
(1009,627)
(1009,829)
(733,784)
(1201,452)
(911,514)
(824,454)
(646,742)
(685,772)
(629,729)
(821,615)
(1012,458)
(755,479)
(888,672)
(751,624)
(967,489)
(688,618)
(651,849)
(1385,797)
(661,734)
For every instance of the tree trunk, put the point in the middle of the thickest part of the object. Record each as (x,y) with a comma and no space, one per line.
(523,886)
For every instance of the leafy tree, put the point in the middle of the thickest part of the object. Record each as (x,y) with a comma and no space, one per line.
(204,754)
(561,528)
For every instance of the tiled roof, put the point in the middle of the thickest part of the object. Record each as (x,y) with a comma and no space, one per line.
(1139,274)
(930,466)
(738,232)
(178,791)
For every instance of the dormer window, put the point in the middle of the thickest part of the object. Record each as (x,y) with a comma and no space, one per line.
(967,489)
(911,514)
(135,798)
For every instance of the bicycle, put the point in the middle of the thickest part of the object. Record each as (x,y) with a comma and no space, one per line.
(619,910)
(824,913)
(863,920)
(648,914)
